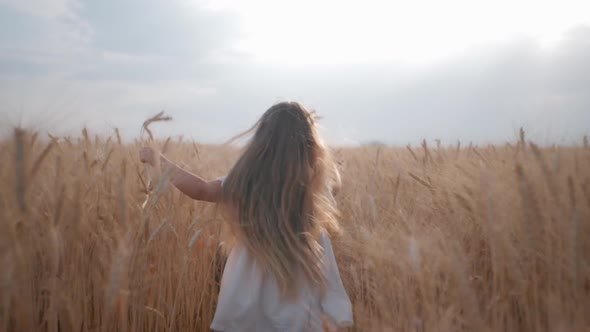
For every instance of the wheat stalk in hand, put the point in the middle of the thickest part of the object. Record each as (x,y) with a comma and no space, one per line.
(145,129)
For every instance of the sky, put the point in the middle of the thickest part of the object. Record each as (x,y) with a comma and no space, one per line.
(388,71)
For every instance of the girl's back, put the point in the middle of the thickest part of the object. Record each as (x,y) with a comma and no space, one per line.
(282,274)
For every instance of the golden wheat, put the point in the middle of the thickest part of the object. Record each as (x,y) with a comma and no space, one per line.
(439,239)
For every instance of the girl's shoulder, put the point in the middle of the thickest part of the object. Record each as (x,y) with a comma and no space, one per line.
(222,179)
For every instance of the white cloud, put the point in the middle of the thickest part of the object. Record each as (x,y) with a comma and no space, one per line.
(47,35)
(51,9)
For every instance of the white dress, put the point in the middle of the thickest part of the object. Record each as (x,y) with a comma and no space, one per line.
(249,298)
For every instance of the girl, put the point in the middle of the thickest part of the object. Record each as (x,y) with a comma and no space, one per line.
(281,274)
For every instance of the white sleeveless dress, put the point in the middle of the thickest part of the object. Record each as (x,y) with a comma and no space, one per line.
(249,298)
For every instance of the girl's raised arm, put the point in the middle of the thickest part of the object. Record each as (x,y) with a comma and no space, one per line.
(188,183)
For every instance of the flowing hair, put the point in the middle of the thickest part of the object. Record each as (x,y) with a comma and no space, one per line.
(278,197)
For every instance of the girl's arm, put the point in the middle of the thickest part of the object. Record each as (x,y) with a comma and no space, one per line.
(188,183)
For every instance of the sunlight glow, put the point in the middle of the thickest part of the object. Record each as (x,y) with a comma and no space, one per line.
(412,32)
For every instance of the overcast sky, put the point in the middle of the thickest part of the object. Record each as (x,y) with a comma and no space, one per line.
(390,71)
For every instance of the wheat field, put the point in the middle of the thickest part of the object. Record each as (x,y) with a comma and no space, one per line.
(436,238)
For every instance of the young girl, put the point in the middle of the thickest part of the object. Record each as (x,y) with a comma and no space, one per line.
(281,274)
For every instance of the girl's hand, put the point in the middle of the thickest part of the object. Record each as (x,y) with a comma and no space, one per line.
(147,156)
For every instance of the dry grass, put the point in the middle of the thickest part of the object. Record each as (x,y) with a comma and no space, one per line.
(437,239)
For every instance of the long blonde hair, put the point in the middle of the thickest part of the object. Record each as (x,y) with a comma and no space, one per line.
(278,198)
